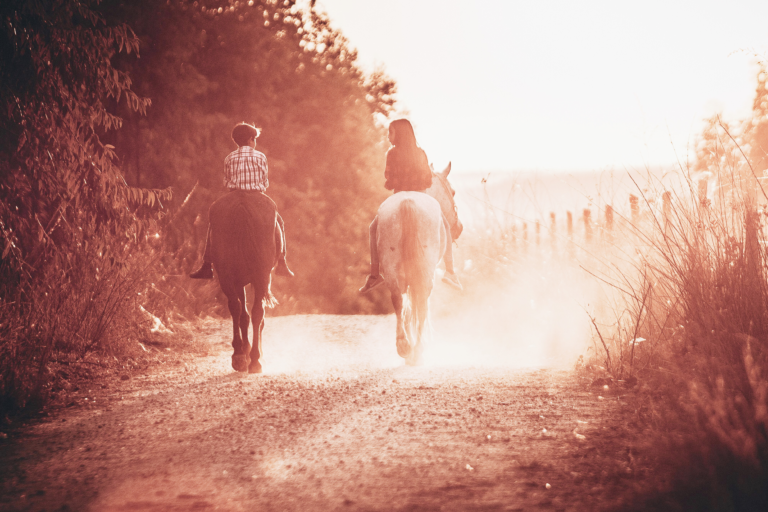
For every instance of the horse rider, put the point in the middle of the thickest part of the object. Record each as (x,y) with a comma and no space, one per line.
(407,169)
(246,169)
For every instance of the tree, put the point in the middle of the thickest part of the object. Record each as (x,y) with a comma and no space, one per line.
(59,185)
(68,220)
(207,65)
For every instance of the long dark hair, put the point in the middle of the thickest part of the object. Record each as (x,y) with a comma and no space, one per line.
(408,151)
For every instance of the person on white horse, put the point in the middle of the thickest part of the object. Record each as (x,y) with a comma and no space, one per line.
(407,169)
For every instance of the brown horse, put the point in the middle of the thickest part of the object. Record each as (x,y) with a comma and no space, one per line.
(243,252)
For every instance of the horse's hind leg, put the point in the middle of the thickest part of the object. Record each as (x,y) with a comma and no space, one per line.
(258,326)
(403,345)
(419,310)
(245,323)
(236,302)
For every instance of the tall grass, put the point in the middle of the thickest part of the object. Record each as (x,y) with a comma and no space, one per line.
(697,295)
(62,317)
(678,305)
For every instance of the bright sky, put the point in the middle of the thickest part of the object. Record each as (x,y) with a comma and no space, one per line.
(560,85)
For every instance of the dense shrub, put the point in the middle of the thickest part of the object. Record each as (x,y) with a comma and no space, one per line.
(71,230)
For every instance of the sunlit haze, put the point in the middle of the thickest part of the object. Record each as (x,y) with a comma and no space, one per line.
(548,85)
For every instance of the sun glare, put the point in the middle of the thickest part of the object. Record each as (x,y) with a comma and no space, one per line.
(559,87)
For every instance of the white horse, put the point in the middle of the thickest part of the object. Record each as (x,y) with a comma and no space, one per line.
(411,240)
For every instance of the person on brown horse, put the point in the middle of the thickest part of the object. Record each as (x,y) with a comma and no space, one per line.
(246,169)
(407,169)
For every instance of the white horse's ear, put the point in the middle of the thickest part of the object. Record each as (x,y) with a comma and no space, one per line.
(432,167)
(446,171)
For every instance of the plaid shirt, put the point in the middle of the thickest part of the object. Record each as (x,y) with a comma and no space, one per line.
(246,169)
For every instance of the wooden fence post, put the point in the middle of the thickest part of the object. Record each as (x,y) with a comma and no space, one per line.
(552,231)
(703,201)
(525,237)
(608,231)
(538,233)
(587,217)
(569,230)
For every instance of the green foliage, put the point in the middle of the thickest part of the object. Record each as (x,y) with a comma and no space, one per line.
(69,224)
(207,65)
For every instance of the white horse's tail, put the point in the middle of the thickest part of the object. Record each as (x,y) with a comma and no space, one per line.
(411,248)
(416,269)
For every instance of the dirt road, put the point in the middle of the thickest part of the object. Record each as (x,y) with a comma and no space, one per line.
(336,422)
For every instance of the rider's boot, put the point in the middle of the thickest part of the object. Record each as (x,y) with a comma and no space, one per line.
(282,269)
(372,282)
(204,272)
(453,280)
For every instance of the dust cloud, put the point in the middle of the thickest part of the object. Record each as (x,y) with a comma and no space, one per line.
(525,301)
(526,297)
(329,344)
(538,320)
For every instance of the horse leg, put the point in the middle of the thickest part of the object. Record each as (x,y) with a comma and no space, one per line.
(420,312)
(245,322)
(257,315)
(239,358)
(403,345)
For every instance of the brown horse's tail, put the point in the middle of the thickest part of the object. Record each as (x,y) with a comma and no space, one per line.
(269,300)
(243,243)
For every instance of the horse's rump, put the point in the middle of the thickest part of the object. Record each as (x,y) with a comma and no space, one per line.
(413,262)
(409,239)
(243,240)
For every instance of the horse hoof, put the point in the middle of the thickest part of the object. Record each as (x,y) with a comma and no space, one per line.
(254,369)
(240,363)
(403,347)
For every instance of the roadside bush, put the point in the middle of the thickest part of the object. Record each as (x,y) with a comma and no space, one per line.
(72,233)
(707,269)
(96,308)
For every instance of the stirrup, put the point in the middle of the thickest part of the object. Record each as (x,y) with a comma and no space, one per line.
(453,280)
(371,282)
